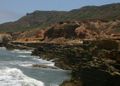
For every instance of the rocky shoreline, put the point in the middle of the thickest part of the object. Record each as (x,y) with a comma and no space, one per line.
(93,63)
(91,49)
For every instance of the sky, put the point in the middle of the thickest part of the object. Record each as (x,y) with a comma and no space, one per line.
(11,10)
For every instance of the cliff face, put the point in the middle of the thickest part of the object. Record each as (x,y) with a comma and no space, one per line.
(61,30)
(70,32)
(28,36)
(89,29)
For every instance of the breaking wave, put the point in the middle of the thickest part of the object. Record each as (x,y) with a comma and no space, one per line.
(15,77)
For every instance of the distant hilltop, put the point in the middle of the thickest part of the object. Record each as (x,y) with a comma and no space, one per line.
(42,19)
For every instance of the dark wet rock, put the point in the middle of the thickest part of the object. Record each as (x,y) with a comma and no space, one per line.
(71,83)
(11,46)
(43,66)
(90,62)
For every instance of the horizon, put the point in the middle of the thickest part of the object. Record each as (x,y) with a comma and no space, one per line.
(9,11)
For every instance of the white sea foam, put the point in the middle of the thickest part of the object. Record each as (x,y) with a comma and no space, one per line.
(15,77)
(30,64)
(22,56)
(26,65)
(27,56)
(21,51)
(2,48)
(50,64)
(23,64)
(45,62)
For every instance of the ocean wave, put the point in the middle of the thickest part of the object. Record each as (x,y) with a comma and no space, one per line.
(15,77)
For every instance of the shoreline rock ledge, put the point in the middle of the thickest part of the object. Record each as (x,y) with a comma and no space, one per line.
(94,63)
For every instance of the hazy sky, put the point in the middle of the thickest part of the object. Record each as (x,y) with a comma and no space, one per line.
(11,10)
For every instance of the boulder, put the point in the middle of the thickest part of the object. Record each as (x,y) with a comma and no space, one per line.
(4,38)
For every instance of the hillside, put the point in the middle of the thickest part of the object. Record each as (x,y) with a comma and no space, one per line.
(41,19)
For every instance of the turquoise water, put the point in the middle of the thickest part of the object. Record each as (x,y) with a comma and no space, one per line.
(16,70)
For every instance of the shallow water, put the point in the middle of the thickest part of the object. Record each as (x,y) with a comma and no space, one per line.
(16,70)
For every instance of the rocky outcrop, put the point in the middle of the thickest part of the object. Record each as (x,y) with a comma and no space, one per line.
(92,63)
(5,38)
(43,66)
(62,30)
(27,36)
(82,30)
(71,32)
